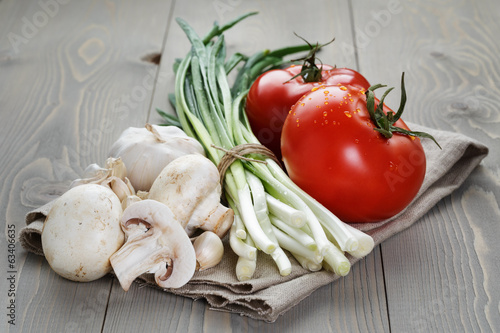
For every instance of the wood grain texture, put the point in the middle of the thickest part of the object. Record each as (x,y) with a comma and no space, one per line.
(440,271)
(72,79)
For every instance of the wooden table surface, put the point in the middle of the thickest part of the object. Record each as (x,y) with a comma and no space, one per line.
(75,74)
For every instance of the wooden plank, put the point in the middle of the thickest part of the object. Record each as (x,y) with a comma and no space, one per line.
(355,303)
(72,80)
(439,273)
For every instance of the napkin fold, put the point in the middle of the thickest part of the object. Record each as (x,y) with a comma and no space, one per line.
(262,297)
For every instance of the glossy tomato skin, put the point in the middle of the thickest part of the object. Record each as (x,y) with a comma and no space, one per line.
(331,150)
(273,94)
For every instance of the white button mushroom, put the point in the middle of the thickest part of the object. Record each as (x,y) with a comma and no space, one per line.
(81,232)
(156,243)
(190,187)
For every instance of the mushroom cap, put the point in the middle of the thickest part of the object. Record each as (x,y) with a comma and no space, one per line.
(81,232)
(190,186)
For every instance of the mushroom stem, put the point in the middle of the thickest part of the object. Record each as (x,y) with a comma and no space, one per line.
(136,258)
(156,243)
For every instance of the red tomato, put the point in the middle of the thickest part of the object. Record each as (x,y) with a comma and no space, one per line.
(273,93)
(332,151)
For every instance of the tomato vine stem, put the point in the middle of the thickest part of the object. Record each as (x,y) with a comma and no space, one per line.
(384,122)
(310,71)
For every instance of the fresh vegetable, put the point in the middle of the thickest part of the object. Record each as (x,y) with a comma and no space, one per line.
(352,153)
(156,244)
(112,175)
(274,92)
(82,231)
(146,151)
(209,250)
(190,187)
(184,197)
(212,112)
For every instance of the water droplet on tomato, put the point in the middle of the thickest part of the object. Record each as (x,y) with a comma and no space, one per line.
(356,140)
(343,88)
(348,115)
(326,92)
(314,88)
(325,114)
(326,103)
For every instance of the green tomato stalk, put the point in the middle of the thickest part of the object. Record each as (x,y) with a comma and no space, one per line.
(385,122)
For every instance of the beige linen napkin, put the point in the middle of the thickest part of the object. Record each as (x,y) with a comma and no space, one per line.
(262,297)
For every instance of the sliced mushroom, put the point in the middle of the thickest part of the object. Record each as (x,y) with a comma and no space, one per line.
(156,243)
(190,187)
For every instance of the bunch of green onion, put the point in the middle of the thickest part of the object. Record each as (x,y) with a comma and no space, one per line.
(272,214)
